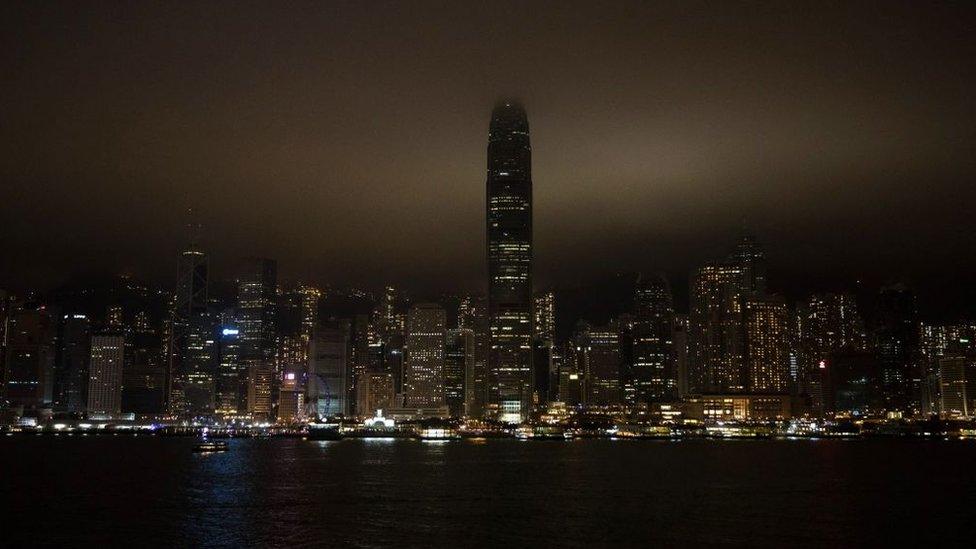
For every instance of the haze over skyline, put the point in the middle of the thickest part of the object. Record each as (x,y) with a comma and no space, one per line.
(348,141)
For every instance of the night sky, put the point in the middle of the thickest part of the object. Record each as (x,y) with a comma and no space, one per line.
(348,140)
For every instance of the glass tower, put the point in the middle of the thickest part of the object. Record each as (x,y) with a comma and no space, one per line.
(509,204)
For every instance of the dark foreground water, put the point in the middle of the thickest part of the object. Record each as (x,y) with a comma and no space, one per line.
(285,492)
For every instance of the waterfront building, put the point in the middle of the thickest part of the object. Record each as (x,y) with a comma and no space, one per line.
(746,407)
(375,392)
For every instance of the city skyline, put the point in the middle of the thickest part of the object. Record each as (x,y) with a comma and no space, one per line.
(556,273)
(665,148)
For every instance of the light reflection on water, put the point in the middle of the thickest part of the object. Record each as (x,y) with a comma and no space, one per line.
(381,492)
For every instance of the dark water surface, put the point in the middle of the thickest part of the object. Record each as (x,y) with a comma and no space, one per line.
(153,491)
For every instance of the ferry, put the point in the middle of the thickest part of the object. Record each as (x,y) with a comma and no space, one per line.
(324,431)
(437,433)
(542,432)
(211,446)
(645,432)
(737,432)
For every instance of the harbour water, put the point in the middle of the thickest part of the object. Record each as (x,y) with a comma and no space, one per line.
(154,491)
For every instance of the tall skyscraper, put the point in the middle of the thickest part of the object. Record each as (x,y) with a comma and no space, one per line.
(190,304)
(896,335)
(715,330)
(423,375)
(29,363)
(105,375)
(653,375)
(509,228)
(767,352)
(257,306)
(71,391)
(231,379)
(144,373)
(200,364)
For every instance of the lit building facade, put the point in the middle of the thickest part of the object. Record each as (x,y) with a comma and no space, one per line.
(423,376)
(231,381)
(715,329)
(375,392)
(256,306)
(767,351)
(105,375)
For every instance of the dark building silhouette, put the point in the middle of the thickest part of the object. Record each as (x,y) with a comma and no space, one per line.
(30,352)
(509,228)
(652,374)
(896,337)
(71,380)
(458,359)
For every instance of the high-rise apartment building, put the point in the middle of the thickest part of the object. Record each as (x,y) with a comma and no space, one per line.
(766,323)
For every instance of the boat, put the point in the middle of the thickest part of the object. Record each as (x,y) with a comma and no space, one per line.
(211,446)
(542,432)
(737,432)
(437,433)
(324,431)
(633,431)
